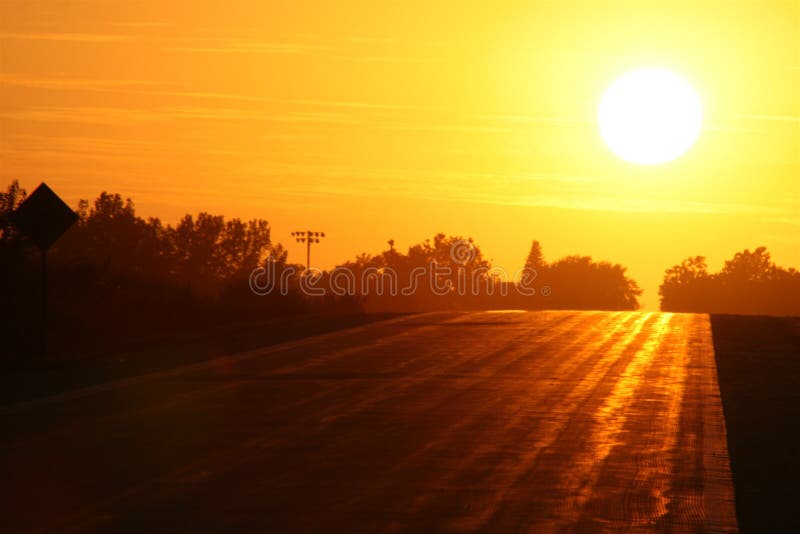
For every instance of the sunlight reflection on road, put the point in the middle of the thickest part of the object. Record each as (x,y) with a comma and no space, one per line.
(526,422)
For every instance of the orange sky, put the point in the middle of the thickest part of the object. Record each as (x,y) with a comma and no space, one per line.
(377,120)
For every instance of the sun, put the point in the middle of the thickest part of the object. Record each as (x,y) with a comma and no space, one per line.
(650,116)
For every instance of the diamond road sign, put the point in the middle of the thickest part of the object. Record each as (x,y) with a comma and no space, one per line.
(44,217)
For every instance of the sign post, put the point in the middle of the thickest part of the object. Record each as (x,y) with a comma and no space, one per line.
(44,217)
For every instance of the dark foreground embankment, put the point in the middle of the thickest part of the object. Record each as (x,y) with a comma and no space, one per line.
(758,361)
(36,378)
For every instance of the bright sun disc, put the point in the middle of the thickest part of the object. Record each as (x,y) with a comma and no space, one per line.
(650,116)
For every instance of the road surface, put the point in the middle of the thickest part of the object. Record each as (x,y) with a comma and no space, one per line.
(540,421)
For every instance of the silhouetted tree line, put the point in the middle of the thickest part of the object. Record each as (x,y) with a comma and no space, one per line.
(116,277)
(750,284)
(578,282)
(462,278)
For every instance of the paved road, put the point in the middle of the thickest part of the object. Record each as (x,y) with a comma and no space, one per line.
(537,422)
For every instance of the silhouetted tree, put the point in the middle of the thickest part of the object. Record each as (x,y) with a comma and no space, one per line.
(577,282)
(9,201)
(116,275)
(685,282)
(749,283)
(535,258)
(574,282)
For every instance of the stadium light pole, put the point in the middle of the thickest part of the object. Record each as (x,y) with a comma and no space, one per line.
(308,237)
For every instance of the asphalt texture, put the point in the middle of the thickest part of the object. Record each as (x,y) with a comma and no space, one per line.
(527,422)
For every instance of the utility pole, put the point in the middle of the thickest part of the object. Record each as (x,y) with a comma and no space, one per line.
(308,237)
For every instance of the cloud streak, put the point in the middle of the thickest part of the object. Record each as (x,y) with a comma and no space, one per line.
(773,118)
(68,37)
(249,47)
(553,190)
(76,84)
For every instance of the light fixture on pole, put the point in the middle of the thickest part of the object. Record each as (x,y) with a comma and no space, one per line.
(308,237)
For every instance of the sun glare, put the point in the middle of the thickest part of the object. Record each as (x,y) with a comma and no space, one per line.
(650,116)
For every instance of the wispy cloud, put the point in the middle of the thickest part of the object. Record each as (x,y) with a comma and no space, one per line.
(143,24)
(72,37)
(389,59)
(122,116)
(765,117)
(151,87)
(84,115)
(553,190)
(82,145)
(77,84)
(176,44)
(794,222)
(730,129)
(318,117)
(531,119)
(248,47)
(76,152)
(368,40)
(350,104)
(311,113)
(442,128)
